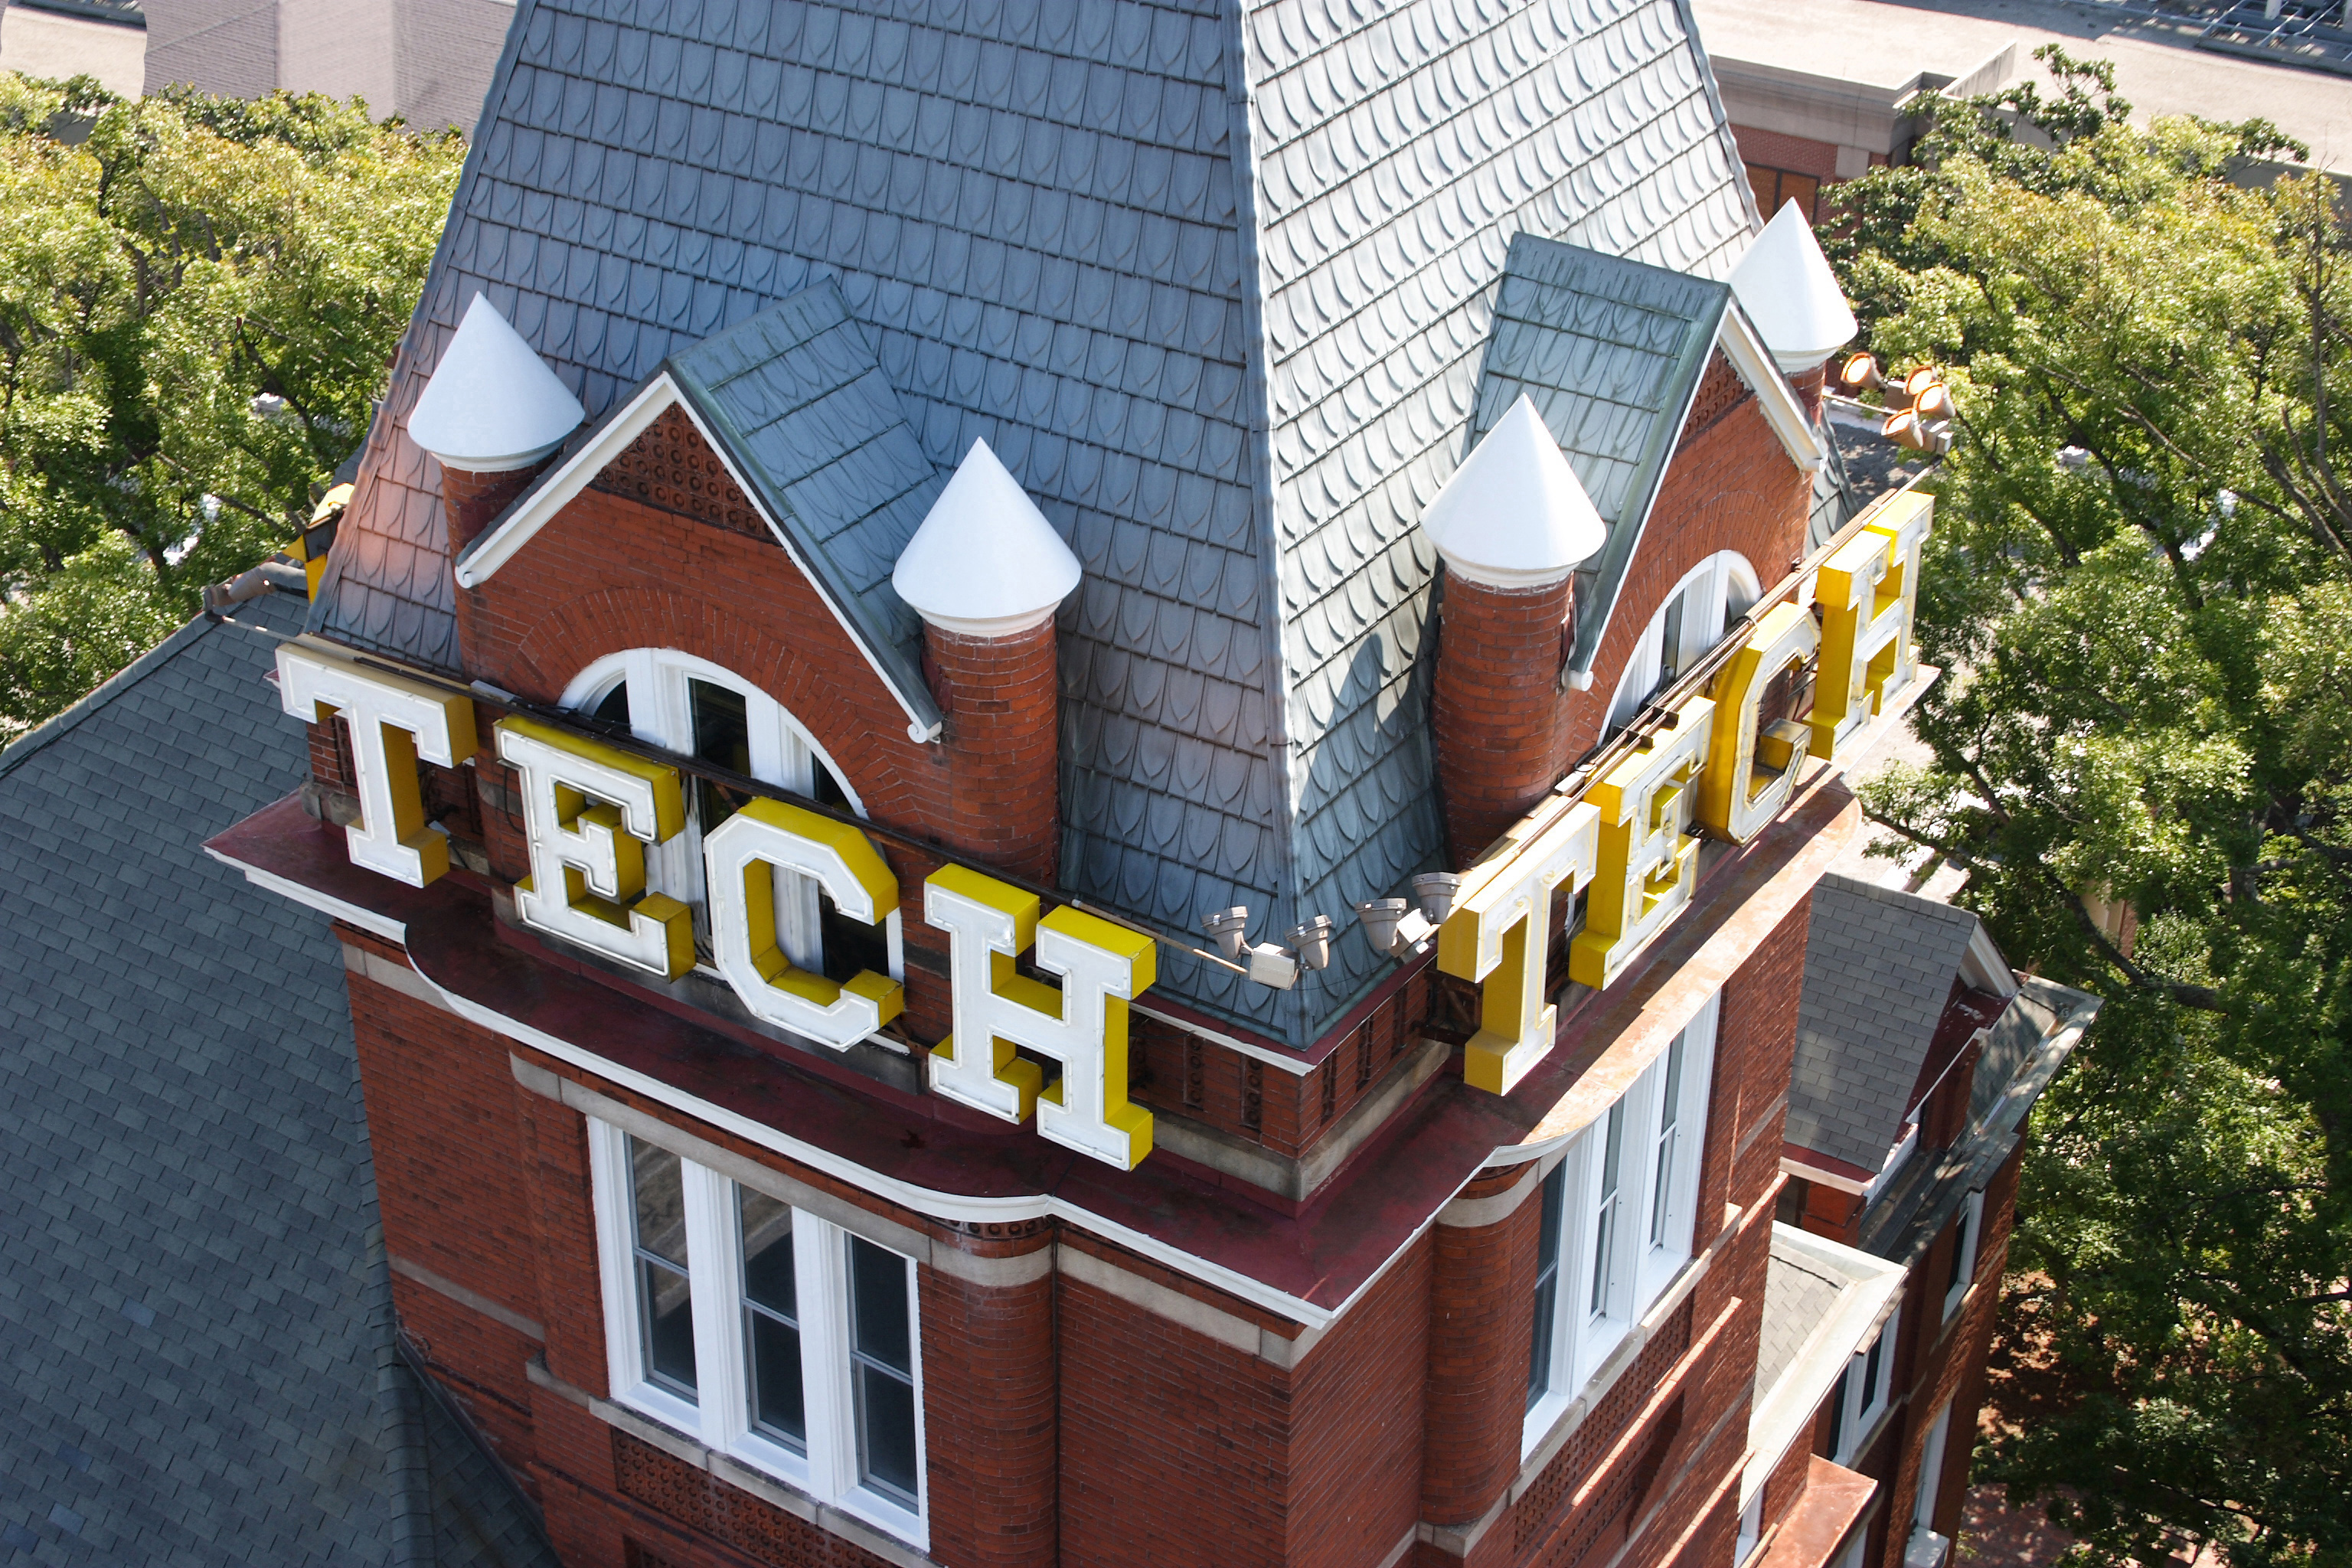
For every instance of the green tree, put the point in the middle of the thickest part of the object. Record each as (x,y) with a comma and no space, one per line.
(2141,589)
(199,298)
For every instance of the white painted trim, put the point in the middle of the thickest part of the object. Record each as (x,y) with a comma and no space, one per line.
(1984,967)
(494,548)
(1289,1062)
(325,903)
(1782,411)
(1834,1180)
(556,492)
(1784,1413)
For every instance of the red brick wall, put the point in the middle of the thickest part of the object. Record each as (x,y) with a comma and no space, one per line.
(1357,1414)
(1495,711)
(1755,1047)
(1777,150)
(609,574)
(471,502)
(990,1415)
(1001,704)
(1731,486)
(1481,1324)
(1173,1445)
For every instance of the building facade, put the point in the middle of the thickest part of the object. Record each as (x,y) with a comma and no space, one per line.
(1072,760)
(428,61)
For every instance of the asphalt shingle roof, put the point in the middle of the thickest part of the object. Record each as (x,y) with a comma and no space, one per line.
(194,1321)
(1798,1294)
(1879,967)
(1231,396)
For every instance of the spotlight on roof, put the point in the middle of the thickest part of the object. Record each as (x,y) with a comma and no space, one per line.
(1231,927)
(1860,375)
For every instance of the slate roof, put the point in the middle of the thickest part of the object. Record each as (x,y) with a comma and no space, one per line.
(197,1356)
(1218,302)
(1879,967)
(1612,352)
(1799,1294)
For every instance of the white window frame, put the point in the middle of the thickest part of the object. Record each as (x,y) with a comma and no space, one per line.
(1712,593)
(1971,1219)
(1924,1496)
(1751,1529)
(784,752)
(1863,1397)
(719,1415)
(1646,1251)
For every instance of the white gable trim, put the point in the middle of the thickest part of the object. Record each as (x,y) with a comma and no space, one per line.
(501,545)
(558,490)
(1782,411)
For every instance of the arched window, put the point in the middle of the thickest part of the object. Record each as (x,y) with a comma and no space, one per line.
(1693,619)
(704,710)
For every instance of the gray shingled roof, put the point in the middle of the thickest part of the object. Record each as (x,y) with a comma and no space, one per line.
(198,1363)
(1611,351)
(1879,966)
(1799,1293)
(1233,397)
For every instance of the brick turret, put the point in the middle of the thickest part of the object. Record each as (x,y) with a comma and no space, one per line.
(1512,524)
(985,572)
(492,416)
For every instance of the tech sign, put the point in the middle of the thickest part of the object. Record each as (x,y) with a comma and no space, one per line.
(591,812)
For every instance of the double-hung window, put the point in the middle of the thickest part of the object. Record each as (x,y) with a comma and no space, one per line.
(1616,1226)
(1964,1253)
(1693,619)
(768,1333)
(699,710)
(1862,1391)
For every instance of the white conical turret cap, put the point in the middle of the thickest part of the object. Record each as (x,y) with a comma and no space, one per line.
(1514,515)
(985,563)
(1785,285)
(492,403)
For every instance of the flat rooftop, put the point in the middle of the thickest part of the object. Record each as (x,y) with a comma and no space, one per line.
(2159,69)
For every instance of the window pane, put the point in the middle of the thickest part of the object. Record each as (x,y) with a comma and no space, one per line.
(882,1364)
(768,1253)
(1837,1411)
(615,709)
(778,1405)
(878,1306)
(1670,643)
(1604,1219)
(666,1310)
(885,1432)
(658,1180)
(1662,1191)
(722,736)
(1870,1373)
(1546,1294)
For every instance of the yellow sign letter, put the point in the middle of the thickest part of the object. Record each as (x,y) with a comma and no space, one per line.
(395,723)
(1649,861)
(589,811)
(1869,589)
(1082,1025)
(1731,799)
(1496,935)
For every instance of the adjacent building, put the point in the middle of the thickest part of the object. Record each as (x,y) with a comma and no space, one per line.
(59,39)
(428,61)
(1075,764)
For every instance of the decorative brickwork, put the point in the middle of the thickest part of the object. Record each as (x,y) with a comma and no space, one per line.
(702,1501)
(1719,391)
(669,467)
(1603,1426)
(1496,710)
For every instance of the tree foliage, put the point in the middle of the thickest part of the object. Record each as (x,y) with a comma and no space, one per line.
(199,298)
(2141,589)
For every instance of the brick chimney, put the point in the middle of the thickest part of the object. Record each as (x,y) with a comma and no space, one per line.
(492,416)
(986,572)
(1512,524)
(1785,286)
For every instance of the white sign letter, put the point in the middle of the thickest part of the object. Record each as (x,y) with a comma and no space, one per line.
(1649,862)
(394,721)
(740,857)
(589,811)
(1082,1025)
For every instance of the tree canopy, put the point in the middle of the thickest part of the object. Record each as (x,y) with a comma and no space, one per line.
(2141,589)
(199,302)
